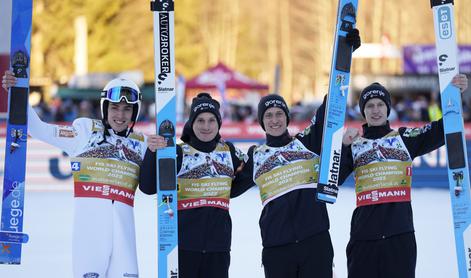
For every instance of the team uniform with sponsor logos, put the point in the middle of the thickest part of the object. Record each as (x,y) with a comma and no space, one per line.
(294,226)
(106,175)
(206,181)
(382,241)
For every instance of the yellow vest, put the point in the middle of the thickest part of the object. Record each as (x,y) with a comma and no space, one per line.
(110,170)
(383,170)
(278,171)
(205,179)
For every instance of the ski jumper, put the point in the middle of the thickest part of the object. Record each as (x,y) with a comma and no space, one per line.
(106,175)
(206,182)
(382,222)
(294,226)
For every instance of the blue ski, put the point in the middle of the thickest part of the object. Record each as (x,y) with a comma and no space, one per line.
(16,133)
(458,173)
(12,237)
(165,98)
(336,106)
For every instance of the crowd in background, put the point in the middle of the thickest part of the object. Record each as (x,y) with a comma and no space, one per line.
(418,108)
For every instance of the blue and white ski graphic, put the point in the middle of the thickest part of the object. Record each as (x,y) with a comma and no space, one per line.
(458,173)
(327,188)
(16,134)
(165,98)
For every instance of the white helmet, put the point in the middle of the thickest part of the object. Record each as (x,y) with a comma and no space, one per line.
(118,89)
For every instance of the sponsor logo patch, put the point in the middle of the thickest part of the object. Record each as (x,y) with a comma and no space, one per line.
(414,132)
(444,22)
(65,132)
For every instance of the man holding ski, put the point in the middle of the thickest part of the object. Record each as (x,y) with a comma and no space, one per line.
(382,241)
(207,179)
(104,242)
(294,226)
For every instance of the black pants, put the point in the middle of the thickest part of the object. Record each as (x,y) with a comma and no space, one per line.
(194,264)
(309,258)
(392,257)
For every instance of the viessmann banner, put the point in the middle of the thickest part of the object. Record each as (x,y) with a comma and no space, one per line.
(49,169)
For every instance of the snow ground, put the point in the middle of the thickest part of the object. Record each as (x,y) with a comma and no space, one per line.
(48,221)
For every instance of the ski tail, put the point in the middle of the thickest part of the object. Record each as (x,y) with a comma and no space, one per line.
(16,135)
(458,173)
(165,98)
(327,188)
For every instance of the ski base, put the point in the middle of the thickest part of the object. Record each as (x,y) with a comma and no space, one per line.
(458,173)
(16,133)
(165,99)
(336,105)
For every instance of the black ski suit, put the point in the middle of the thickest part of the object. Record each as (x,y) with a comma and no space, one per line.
(382,241)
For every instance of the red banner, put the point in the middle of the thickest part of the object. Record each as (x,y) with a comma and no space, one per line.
(203,202)
(384,195)
(104,191)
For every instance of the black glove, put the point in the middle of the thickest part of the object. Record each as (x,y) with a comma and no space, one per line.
(353,38)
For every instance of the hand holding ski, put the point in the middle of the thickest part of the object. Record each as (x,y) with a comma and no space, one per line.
(156,142)
(165,99)
(16,133)
(458,173)
(8,80)
(346,41)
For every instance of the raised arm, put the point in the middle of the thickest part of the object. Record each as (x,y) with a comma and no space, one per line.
(422,140)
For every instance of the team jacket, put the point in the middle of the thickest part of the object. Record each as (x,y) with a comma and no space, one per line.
(204,228)
(295,215)
(376,221)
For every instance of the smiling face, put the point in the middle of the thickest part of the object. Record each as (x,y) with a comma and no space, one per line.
(205,126)
(119,115)
(275,121)
(376,112)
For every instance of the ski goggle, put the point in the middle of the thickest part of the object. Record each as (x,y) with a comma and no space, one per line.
(116,94)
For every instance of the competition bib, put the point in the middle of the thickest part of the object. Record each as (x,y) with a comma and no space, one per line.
(278,171)
(105,178)
(213,192)
(383,170)
(205,179)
